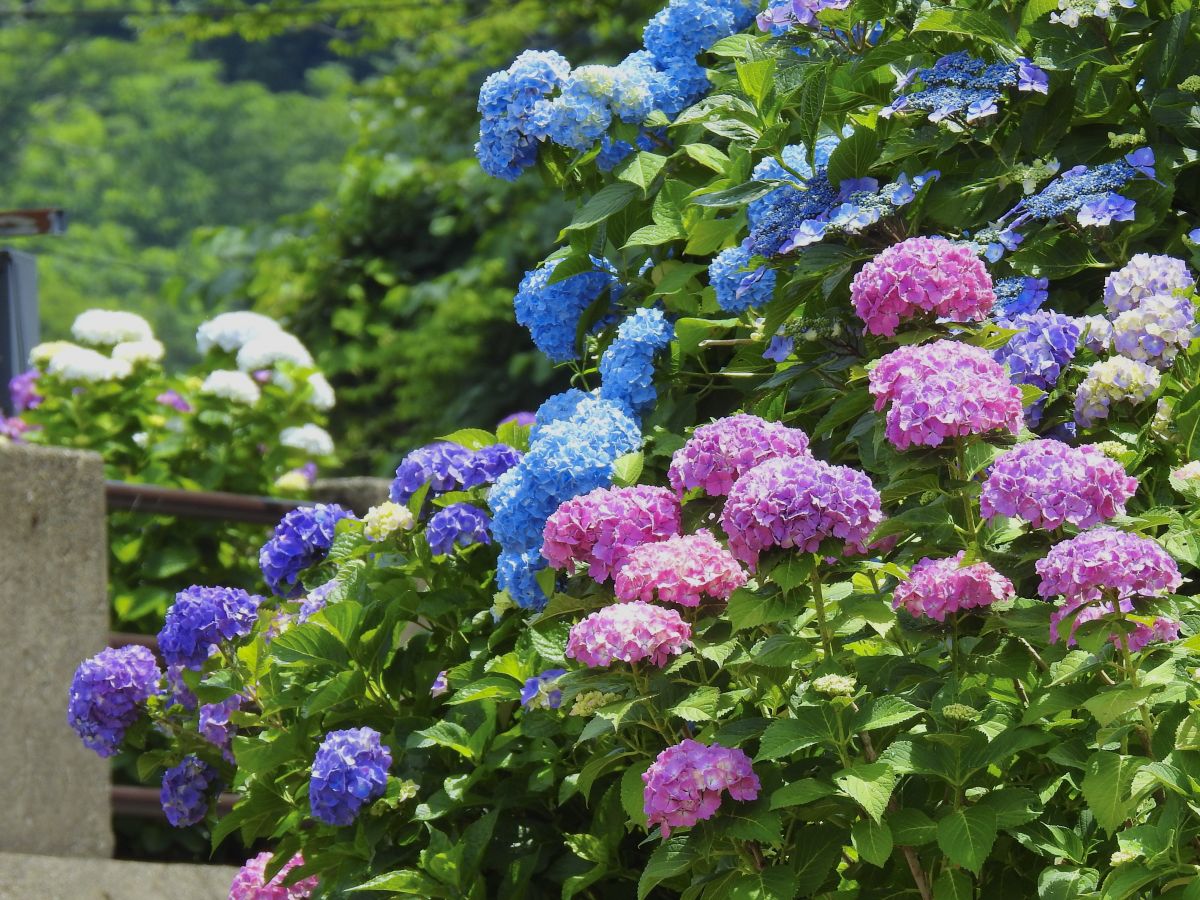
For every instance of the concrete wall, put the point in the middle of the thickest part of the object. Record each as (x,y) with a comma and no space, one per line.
(54,878)
(356,494)
(53,614)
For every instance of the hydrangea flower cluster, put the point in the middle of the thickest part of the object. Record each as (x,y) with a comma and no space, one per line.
(22,391)
(551,312)
(1088,193)
(309,438)
(251,882)
(1043,348)
(739,288)
(348,772)
(1143,277)
(233,330)
(719,453)
(384,520)
(781,16)
(1161,629)
(936,588)
(185,790)
(1070,13)
(72,363)
(487,464)
(627,366)
(1113,380)
(921,277)
(629,632)
(107,694)
(799,502)
(200,619)
(1155,330)
(109,327)
(135,352)
(542,691)
(442,465)
(600,528)
(1106,563)
(681,570)
(961,85)
(685,782)
(271,348)
(1049,484)
(795,156)
(231,385)
(461,524)
(942,390)
(315,601)
(300,540)
(507,102)
(214,725)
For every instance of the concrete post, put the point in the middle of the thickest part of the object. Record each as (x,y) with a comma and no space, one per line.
(54,609)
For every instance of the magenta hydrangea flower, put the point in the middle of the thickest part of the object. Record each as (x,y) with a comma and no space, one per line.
(943,390)
(684,784)
(1048,483)
(250,882)
(601,527)
(921,277)
(679,570)
(629,632)
(1162,629)
(936,588)
(719,453)
(799,502)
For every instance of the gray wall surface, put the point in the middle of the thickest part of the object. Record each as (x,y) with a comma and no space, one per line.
(53,878)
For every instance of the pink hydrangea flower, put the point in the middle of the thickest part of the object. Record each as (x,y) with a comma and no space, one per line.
(799,502)
(629,632)
(1162,629)
(601,527)
(719,453)
(943,390)
(680,570)
(921,276)
(1105,563)
(684,784)
(249,884)
(939,587)
(1048,483)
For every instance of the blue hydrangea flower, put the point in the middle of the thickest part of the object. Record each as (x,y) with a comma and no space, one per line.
(314,601)
(1042,350)
(200,619)
(348,772)
(627,365)
(107,694)
(441,464)
(1094,188)
(556,408)
(301,539)
(1019,294)
(552,312)
(686,28)
(214,725)
(1104,210)
(960,84)
(737,287)
(460,523)
(541,691)
(779,348)
(796,158)
(185,791)
(516,573)
(489,463)
(507,102)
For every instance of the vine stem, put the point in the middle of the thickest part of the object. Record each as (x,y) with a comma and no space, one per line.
(819,603)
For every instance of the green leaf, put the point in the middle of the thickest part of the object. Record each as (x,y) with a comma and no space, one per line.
(690,332)
(780,650)
(708,156)
(633,794)
(811,105)
(403,881)
(808,727)
(953,885)
(883,712)
(672,857)
(490,687)
(609,199)
(642,170)
(347,684)
(873,841)
(969,23)
(699,706)
(771,883)
(755,823)
(654,235)
(822,849)
(853,157)
(1109,704)
(309,643)
(1186,425)
(1106,787)
(476,438)
(966,836)
(756,78)
(1013,806)
(1187,736)
(798,793)
(911,827)
(1066,882)
(628,468)
(870,785)
(735,196)
(748,610)
(447,734)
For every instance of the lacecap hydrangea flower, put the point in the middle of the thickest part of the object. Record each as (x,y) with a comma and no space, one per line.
(185,791)
(214,725)
(719,453)
(542,691)
(1144,276)
(1019,294)
(738,287)
(1041,350)
(1089,193)
(231,385)
(1106,563)
(627,365)
(109,327)
(441,684)
(601,527)
(461,524)
(921,277)
(348,772)
(1113,380)
(629,632)
(200,619)
(1155,330)
(685,782)
(1049,484)
(232,330)
(442,464)
(107,694)
(487,464)
(1071,11)
(551,312)
(936,588)
(384,520)
(251,882)
(943,390)
(959,84)
(799,502)
(681,570)
(301,539)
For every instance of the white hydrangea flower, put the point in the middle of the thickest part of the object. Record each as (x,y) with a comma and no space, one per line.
(139,351)
(142,439)
(322,398)
(105,327)
(232,330)
(268,350)
(81,364)
(44,352)
(386,519)
(237,387)
(312,439)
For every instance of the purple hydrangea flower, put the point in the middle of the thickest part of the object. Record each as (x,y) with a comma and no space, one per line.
(461,524)
(779,348)
(174,400)
(541,690)
(315,600)
(719,453)
(1106,209)
(22,390)
(1030,77)
(1145,276)
(301,539)
(441,684)
(1106,563)
(684,784)
(1019,294)
(936,588)
(200,619)
(348,772)
(518,418)
(214,725)
(185,791)
(178,690)
(1041,351)
(487,464)
(107,694)
(440,464)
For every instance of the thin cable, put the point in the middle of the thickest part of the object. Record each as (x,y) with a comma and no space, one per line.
(210,12)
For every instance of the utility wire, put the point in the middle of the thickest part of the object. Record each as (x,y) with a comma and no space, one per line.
(210,11)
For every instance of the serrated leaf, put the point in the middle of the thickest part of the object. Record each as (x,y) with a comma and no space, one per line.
(641,170)
(348,684)
(883,712)
(873,841)
(808,727)
(628,468)
(708,156)
(672,857)
(953,885)
(610,199)
(967,22)
(870,785)
(771,883)
(654,235)
(1106,786)
(403,881)
(966,836)
(798,793)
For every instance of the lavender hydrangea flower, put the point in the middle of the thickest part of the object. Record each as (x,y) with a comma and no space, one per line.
(22,391)
(685,782)
(301,539)
(348,772)
(541,691)
(107,694)
(200,619)
(1043,348)
(315,600)
(488,463)
(442,465)
(441,684)
(627,366)
(1156,330)
(719,453)
(461,524)
(185,791)
(214,725)
(779,348)
(551,312)
(177,688)
(521,418)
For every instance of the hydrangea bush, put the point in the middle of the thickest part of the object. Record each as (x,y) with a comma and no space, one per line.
(858,560)
(247,419)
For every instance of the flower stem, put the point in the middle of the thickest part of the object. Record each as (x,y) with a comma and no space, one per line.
(819,603)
